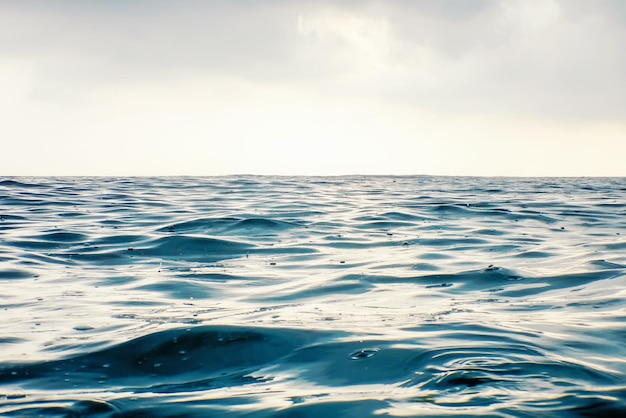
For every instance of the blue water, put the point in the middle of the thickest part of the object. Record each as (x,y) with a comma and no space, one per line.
(312,297)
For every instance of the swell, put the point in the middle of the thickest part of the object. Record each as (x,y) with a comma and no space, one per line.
(200,357)
(464,368)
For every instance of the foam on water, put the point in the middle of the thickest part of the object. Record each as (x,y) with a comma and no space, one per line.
(349,296)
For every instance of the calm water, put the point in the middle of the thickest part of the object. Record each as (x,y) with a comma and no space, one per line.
(312,297)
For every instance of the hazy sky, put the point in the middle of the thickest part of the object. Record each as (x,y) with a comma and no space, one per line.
(208,87)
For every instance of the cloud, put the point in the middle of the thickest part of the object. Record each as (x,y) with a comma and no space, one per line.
(119,40)
(523,57)
(560,59)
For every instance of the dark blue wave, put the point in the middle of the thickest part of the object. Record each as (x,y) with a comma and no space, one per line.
(178,359)
(191,248)
(466,368)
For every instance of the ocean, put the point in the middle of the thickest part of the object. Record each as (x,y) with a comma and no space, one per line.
(353,296)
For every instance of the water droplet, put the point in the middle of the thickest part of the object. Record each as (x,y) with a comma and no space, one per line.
(364,353)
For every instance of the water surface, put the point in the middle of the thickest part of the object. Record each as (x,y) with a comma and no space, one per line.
(312,296)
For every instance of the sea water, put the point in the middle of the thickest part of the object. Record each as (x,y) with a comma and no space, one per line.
(312,296)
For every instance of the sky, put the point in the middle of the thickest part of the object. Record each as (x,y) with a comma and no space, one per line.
(313,87)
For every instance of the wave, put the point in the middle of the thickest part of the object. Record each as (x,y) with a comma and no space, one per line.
(463,369)
(200,357)
(187,247)
(230,226)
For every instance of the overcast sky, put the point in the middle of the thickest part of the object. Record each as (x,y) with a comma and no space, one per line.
(209,87)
